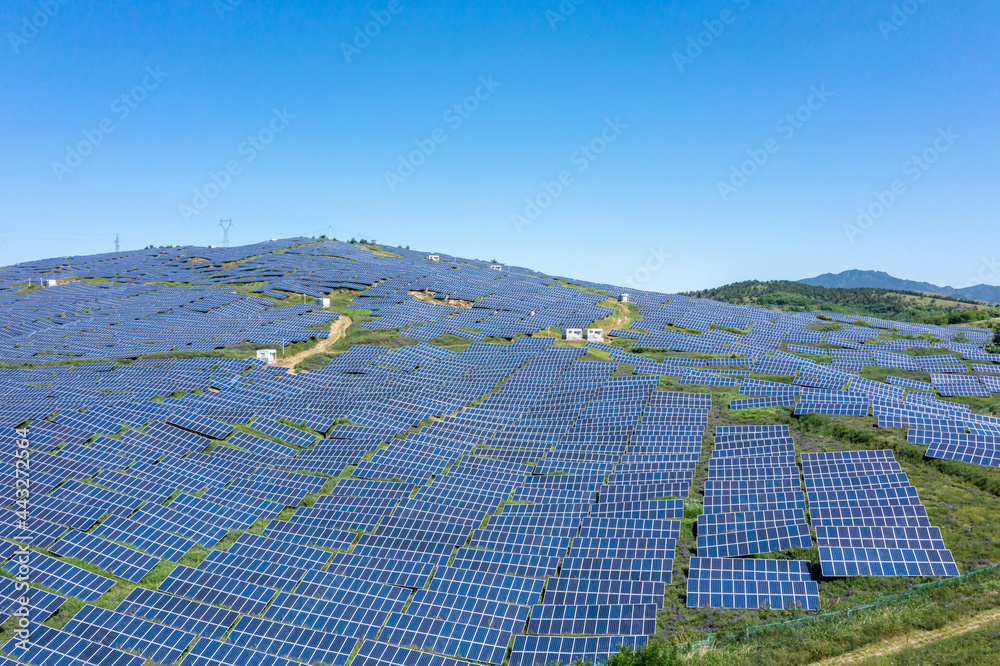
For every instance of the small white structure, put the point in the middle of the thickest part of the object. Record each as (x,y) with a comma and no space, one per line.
(434,257)
(624,298)
(496,267)
(595,335)
(267,355)
(50,283)
(572,334)
(323,302)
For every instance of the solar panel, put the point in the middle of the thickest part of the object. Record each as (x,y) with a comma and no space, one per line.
(152,641)
(217,590)
(178,612)
(581,591)
(381,654)
(51,646)
(739,594)
(119,560)
(309,645)
(541,650)
(608,619)
(449,638)
(208,652)
(839,562)
(65,578)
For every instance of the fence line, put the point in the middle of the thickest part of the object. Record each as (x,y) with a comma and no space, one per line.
(882,599)
(879,601)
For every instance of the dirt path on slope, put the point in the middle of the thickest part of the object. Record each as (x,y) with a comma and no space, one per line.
(337,331)
(620,320)
(912,640)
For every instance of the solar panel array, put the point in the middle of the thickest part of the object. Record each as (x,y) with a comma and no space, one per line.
(137,462)
(754,505)
(855,499)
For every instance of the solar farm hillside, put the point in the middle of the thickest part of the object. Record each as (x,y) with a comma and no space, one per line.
(429,474)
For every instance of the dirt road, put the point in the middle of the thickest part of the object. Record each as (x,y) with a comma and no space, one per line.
(912,640)
(337,331)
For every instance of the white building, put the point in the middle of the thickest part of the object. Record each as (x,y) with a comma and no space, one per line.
(624,298)
(323,302)
(496,267)
(572,334)
(434,257)
(50,283)
(267,355)
(595,335)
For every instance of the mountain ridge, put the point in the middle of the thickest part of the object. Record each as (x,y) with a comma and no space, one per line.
(852,279)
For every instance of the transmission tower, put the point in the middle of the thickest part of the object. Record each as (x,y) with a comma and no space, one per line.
(117,244)
(225,224)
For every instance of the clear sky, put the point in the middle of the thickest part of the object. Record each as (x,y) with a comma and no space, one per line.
(586,138)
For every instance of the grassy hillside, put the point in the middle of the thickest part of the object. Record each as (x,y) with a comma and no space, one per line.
(882,303)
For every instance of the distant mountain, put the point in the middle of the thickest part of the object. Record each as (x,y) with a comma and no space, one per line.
(881,280)
(866,301)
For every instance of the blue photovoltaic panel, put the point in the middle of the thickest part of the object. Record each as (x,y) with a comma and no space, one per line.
(629,620)
(382,654)
(739,594)
(469,610)
(741,539)
(43,603)
(217,590)
(877,536)
(542,650)
(43,533)
(452,639)
(251,570)
(903,516)
(207,652)
(657,569)
(152,540)
(482,584)
(285,433)
(368,594)
(178,612)
(515,564)
(589,591)
(202,425)
(749,569)
(58,648)
(153,641)
(383,570)
(309,645)
(840,562)
(335,617)
(119,560)
(64,577)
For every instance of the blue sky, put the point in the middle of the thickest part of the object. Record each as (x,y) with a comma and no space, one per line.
(715,142)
